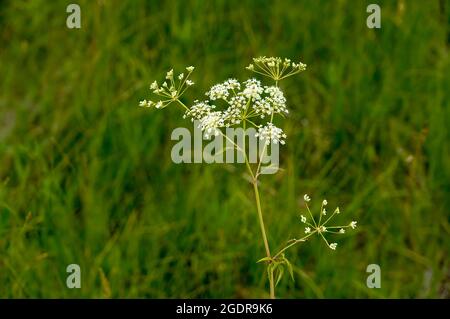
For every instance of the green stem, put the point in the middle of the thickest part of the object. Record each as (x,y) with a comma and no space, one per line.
(272,286)
(295,242)
(261,219)
(263,232)
(183,105)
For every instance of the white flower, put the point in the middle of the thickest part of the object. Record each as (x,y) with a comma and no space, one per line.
(324,202)
(237,105)
(303,218)
(253,89)
(271,133)
(265,100)
(170,89)
(324,211)
(342,231)
(218,91)
(322,229)
(145,103)
(333,246)
(307,230)
(353,224)
(232,84)
(337,211)
(190,68)
(159,104)
(306,198)
(199,110)
(238,102)
(274,102)
(275,67)
(169,74)
(154,86)
(211,123)
(300,66)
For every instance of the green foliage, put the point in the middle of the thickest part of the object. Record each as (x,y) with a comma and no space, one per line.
(86,176)
(276,266)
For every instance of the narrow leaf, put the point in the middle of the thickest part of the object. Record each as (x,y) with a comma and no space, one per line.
(264,259)
(280,274)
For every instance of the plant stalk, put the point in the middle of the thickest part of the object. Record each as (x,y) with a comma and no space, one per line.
(272,286)
(261,219)
(263,232)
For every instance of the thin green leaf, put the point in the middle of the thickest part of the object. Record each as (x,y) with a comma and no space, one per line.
(264,259)
(280,274)
(290,269)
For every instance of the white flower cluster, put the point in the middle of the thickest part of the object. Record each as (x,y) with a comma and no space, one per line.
(170,90)
(199,110)
(253,89)
(237,105)
(319,227)
(274,102)
(246,102)
(211,123)
(218,91)
(271,133)
(221,91)
(276,68)
(243,101)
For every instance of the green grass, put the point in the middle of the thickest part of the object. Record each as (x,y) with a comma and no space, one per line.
(86,176)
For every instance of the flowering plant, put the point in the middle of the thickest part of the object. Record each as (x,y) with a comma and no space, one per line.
(250,104)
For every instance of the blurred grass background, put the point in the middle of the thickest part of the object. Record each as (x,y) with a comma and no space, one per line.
(86,175)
